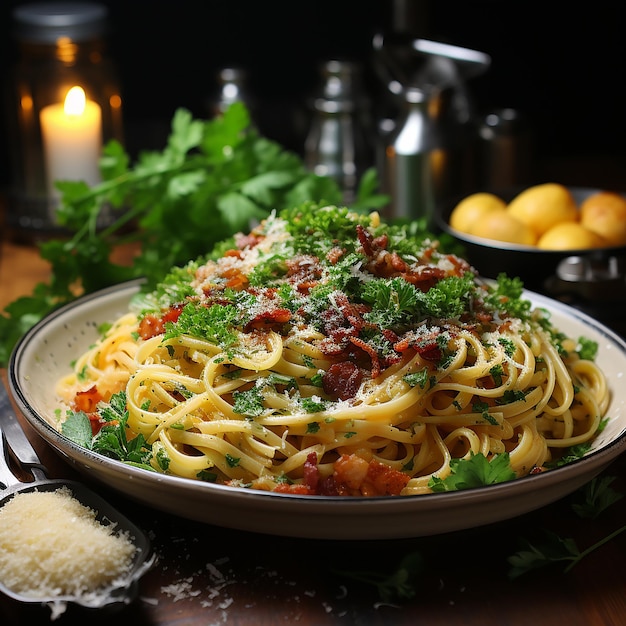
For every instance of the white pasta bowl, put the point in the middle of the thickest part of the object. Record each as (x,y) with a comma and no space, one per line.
(45,354)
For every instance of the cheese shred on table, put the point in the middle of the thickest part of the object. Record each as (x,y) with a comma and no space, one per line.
(52,545)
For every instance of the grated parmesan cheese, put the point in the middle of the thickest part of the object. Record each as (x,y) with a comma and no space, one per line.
(51,545)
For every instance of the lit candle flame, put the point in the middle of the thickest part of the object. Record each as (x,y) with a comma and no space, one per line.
(74,101)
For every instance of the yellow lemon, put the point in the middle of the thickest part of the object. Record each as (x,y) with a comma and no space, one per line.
(543,206)
(502,226)
(569,236)
(471,209)
(605,214)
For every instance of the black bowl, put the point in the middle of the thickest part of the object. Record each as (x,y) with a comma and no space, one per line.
(539,269)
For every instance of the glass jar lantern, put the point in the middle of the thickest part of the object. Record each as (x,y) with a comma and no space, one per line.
(64,105)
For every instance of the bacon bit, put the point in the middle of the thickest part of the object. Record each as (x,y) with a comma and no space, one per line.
(385,480)
(537,470)
(381,242)
(247,241)
(397,263)
(87,400)
(342,380)
(236,279)
(350,470)
(334,254)
(424,277)
(359,343)
(371,246)
(271,314)
(425,345)
(329,487)
(311,471)
(234,253)
(365,478)
(96,423)
(304,286)
(267,318)
(429,352)
(304,272)
(353,312)
(389,335)
(152,325)
(297,489)
(486,382)
(311,479)
(365,239)
(483,316)
(390,264)
(352,476)
(506,325)
(461,265)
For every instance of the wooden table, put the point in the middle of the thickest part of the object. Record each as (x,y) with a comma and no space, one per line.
(207,575)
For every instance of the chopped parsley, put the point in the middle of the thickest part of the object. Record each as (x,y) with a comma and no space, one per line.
(511,395)
(587,349)
(248,403)
(418,379)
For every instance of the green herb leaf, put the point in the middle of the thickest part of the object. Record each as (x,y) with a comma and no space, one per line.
(546,551)
(597,495)
(476,471)
(587,349)
(400,584)
(77,428)
(552,548)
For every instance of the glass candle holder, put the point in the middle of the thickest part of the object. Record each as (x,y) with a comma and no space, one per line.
(64,105)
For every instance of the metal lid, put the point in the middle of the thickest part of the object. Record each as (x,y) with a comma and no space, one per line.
(46,22)
(341,87)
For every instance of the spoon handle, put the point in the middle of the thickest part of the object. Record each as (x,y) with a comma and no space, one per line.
(15,437)
(7,478)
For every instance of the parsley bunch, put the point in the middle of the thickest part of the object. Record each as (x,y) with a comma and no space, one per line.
(212,179)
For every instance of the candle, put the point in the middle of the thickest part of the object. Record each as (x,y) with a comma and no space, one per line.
(72,140)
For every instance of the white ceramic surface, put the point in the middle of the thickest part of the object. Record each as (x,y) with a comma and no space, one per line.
(45,353)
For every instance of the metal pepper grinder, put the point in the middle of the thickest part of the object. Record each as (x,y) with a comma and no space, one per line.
(411,160)
(338,143)
(426,157)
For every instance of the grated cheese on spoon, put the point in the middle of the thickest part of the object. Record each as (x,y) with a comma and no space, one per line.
(51,545)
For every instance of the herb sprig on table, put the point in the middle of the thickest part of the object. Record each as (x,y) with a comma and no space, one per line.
(551,548)
(404,582)
(211,180)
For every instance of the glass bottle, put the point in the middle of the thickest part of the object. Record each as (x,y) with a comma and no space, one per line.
(58,47)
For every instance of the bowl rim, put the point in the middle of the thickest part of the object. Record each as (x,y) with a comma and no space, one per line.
(100,468)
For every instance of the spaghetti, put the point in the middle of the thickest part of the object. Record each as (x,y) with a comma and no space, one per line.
(330,353)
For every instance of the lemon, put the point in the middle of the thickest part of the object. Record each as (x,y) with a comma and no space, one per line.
(569,236)
(471,209)
(605,214)
(543,206)
(502,226)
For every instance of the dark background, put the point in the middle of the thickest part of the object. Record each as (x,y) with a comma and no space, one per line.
(563,65)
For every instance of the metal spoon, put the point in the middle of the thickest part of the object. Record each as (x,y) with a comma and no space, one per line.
(13,438)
